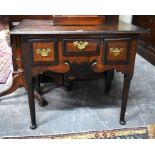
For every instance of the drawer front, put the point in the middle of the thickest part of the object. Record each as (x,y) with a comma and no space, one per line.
(116,51)
(44,51)
(80,47)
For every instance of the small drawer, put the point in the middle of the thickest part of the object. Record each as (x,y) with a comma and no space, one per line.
(116,51)
(44,51)
(80,47)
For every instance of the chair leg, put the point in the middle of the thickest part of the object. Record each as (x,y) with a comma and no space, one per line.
(18,81)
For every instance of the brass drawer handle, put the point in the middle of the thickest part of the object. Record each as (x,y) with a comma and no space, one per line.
(43,52)
(80,45)
(116,51)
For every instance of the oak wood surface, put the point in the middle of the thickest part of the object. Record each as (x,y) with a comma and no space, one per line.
(122,44)
(47,27)
(43,45)
(78,20)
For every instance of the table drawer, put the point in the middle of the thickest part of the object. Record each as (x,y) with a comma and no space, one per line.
(78,47)
(116,51)
(44,51)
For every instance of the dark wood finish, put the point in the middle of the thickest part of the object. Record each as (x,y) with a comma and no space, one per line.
(109,75)
(36,44)
(46,27)
(41,44)
(117,58)
(127,80)
(92,48)
(18,79)
(29,30)
(153,32)
(78,20)
(67,82)
(37,84)
(146,43)
(30,85)
(144,21)
(82,71)
(32,105)
(12,19)
(41,30)
(110,19)
(16,19)
(147,53)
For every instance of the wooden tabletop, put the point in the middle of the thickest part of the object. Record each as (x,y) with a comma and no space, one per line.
(47,27)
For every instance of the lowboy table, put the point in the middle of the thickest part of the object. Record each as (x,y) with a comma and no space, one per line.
(46,47)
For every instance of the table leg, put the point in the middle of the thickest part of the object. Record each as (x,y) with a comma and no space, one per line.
(109,75)
(125,93)
(42,102)
(67,84)
(30,91)
(37,84)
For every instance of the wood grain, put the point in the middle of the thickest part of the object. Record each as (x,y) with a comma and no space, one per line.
(47,27)
(119,43)
(78,20)
(43,45)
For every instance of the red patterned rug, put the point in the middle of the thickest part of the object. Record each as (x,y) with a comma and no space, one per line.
(128,133)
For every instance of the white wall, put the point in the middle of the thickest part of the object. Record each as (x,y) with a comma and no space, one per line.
(126,18)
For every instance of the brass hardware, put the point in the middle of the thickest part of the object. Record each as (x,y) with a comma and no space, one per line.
(80,45)
(18,59)
(117,51)
(71,78)
(43,52)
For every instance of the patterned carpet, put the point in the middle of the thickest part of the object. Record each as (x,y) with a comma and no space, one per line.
(5,58)
(128,133)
